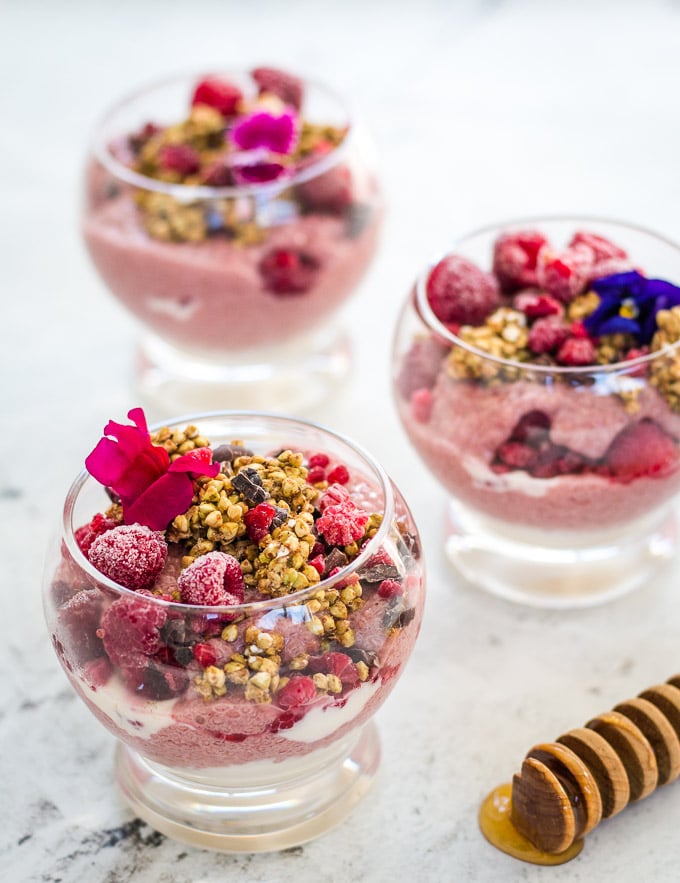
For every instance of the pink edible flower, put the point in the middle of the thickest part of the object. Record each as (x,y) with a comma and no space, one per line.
(152,490)
(275,132)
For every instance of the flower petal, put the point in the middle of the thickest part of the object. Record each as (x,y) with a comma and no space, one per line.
(618,325)
(167,497)
(198,462)
(258,173)
(276,132)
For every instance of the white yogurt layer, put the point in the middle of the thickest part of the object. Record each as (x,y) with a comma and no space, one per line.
(132,714)
(507,481)
(324,721)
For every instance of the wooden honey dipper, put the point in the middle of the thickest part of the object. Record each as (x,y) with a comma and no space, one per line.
(565,788)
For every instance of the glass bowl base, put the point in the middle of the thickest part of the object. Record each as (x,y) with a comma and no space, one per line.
(572,569)
(224,813)
(292,377)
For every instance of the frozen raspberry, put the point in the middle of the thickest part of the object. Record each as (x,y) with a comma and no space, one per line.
(218,174)
(220,94)
(557,460)
(578,329)
(547,335)
(300,690)
(421,405)
(318,563)
(458,291)
(643,449)
(211,580)
(180,158)
(258,521)
(155,681)
(334,495)
(535,305)
(316,474)
(517,455)
(78,622)
(421,364)
(287,87)
(609,267)
(318,460)
(130,630)
(97,672)
(576,351)
(338,664)
(130,554)
(204,654)
(514,258)
(287,271)
(330,192)
(388,588)
(532,428)
(338,475)
(564,274)
(88,533)
(602,248)
(342,523)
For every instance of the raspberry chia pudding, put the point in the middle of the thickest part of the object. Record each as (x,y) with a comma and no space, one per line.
(235,609)
(231,212)
(537,375)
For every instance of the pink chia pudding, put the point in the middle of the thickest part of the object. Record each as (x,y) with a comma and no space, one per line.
(543,388)
(233,608)
(243,225)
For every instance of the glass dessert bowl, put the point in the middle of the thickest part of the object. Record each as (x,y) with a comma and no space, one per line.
(234,608)
(537,375)
(233,215)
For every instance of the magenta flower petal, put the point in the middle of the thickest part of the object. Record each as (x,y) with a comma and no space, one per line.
(198,462)
(275,132)
(258,173)
(155,507)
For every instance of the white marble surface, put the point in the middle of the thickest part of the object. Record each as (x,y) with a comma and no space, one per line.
(482,111)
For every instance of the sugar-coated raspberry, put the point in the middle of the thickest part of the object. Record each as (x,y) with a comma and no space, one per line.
(330,192)
(458,291)
(514,258)
(318,460)
(211,580)
(220,94)
(204,654)
(258,521)
(577,351)
(287,87)
(536,305)
(338,664)
(130,629)
(602,248)
(180,158)
(420,366)
(547,335)
(88,533)
(130,554)
(578,329)
(300,690)
(342,523)
(338,475)
(609,267)
(288,271)
(421,404)
(388,588)
(643,449)
(333,496)
(564,274)
(316,474)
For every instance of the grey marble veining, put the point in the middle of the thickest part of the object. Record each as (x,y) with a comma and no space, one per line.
(481,110)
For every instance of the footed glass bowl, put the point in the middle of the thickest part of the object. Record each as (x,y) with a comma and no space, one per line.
(562,465)
(235,276)
(244,727)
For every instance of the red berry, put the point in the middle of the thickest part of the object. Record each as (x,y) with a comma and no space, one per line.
(602,248)
(300,690)
(421,405)
(318,563)
(514,258)
(576,351)
(535,305)
(204,654)
(388,588)
(338,475)
(316,474)
(180,158)
(564,274)
(218,174)
(287,87)
(88,533)
(548,334)
(288,271)
(338,664)
(342,523)
(220,94)
(318,460)
(317,549)
(334,495)
(329,192)
(517,455)
(130,554)
(211,580)
(258,521)
(458,291)
(643,449)
(532,428)
(130,629)
(578,329)
(557,460)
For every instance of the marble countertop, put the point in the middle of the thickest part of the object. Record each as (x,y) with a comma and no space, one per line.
(482,111)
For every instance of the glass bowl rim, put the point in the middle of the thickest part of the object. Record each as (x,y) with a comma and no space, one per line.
(185,192)
(428,316)
(266,604)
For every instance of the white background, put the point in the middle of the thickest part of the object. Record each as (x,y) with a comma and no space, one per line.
(482,111)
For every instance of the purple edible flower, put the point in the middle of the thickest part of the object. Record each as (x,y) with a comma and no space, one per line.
(275,132)
(257,172)
(628,304)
